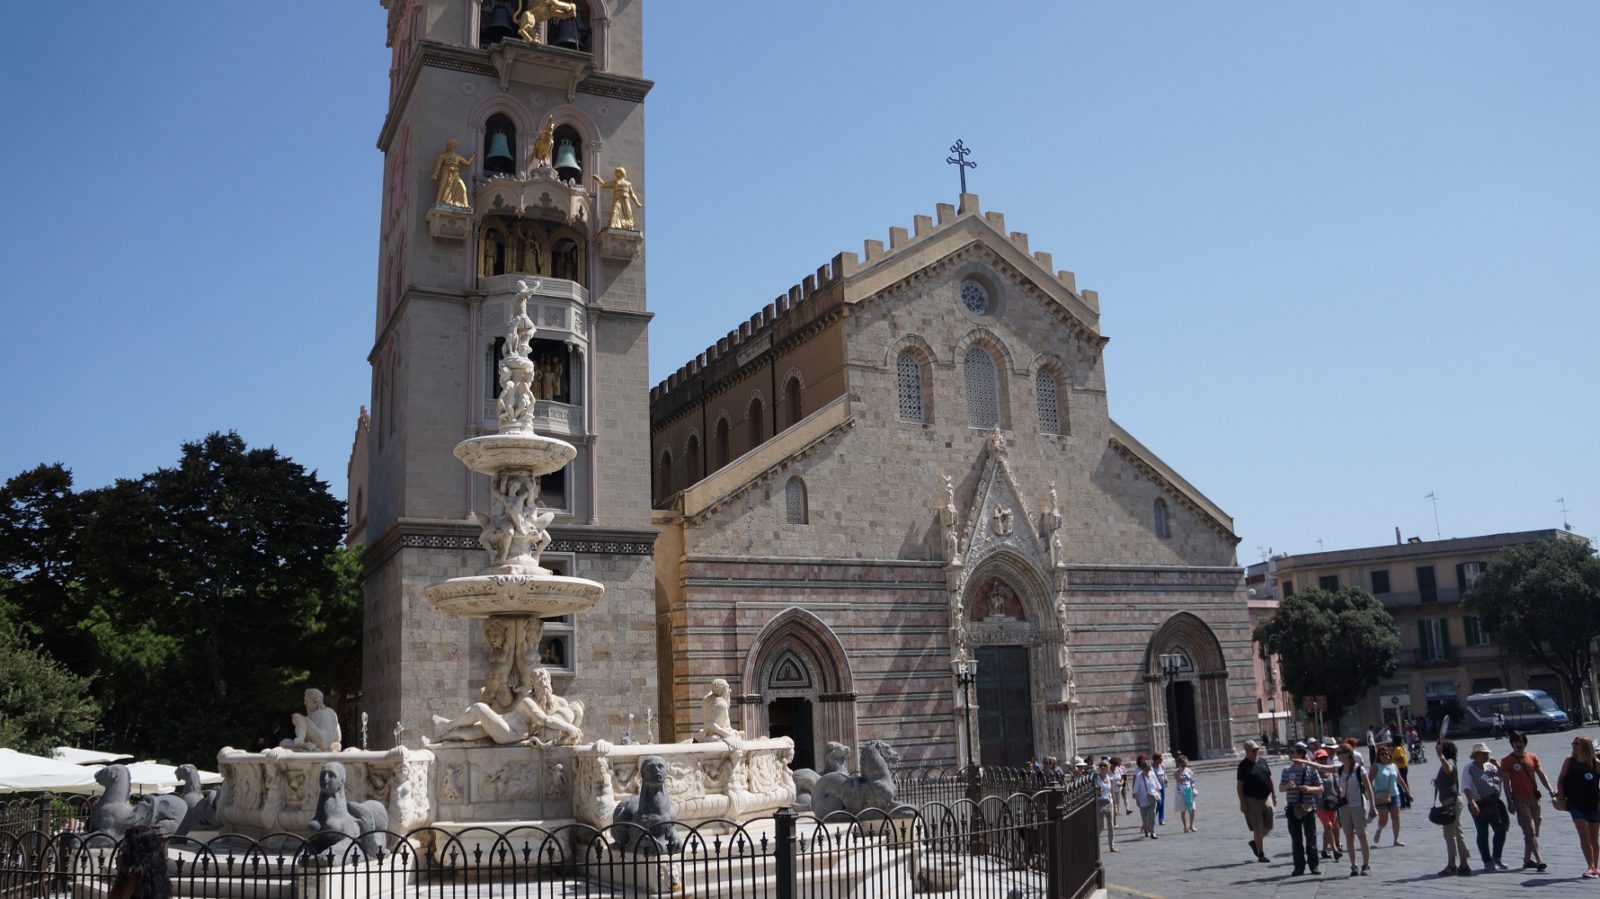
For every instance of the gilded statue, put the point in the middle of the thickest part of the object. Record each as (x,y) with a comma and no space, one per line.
(623,199)
(544,144)
(447,171)
(536,12)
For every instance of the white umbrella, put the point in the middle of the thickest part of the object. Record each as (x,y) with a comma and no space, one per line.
(74,756)
(153,777)
(21,773)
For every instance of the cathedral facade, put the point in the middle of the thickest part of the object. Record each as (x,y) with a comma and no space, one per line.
(507,128)
(894,506)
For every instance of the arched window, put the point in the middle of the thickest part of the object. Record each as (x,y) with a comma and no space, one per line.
(757,420)
(691,459)
(791,400)
(983,389)
(500,145)
(573,33)
(908,386)
(1162,530)
(1049,396)
(497,248)
(664,474)
(723,450)
(794,496)
(496,21)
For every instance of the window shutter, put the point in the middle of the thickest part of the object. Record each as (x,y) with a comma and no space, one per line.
(1461,578)
(1444,639)
(1424,649)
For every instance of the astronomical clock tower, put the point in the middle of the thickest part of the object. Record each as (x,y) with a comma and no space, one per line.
(513,151)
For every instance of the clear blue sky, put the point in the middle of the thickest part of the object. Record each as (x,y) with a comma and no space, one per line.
(1347,253)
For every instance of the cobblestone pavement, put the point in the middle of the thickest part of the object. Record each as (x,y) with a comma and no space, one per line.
(1216,862)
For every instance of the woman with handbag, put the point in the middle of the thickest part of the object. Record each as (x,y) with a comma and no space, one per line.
(1483,789)
(1328,812)
(1388,788)
(1447,811)
(1578,794)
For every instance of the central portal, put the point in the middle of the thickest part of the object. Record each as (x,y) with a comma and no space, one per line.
(791,717)
(1005,706)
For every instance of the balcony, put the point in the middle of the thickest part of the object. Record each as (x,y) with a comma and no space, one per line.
(558,305)
(1401,600)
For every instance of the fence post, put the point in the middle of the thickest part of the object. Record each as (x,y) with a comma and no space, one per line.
(784,849)
(975,839)
(1055,832)
(45,803)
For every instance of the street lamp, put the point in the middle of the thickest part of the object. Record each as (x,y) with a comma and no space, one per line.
(966,675)
(1171,664)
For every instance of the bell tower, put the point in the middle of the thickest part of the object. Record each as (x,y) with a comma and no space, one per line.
(513,150)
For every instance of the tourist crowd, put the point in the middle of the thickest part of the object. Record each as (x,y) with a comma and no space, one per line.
(1333,785)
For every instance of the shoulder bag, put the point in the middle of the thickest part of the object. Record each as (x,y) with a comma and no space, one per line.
(1439,814)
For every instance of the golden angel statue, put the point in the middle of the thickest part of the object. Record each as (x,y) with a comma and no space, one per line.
(544,143)
(447,171)
(623,199)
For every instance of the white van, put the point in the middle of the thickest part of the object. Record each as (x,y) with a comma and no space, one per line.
(1524,710)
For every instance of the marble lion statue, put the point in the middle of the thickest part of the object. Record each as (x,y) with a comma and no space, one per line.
(643,824)
(805,779)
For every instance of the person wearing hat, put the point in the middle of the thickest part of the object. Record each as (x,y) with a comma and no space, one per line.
(1327,809)
(1257,796)
(1302,787)
(1481,786)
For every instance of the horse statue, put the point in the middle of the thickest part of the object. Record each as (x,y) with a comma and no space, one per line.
(338,818)
(202,805)
(805,779)
(651,811)
(115,812)
(872,790)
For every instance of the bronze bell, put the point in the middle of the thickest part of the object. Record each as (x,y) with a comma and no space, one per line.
(499,21)
(567,162)
(499,158)
(564,33)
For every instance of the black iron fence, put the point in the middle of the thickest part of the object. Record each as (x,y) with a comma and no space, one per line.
(1038,844)
(47,814)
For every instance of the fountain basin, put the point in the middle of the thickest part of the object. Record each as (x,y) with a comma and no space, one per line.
(542,595)
(492,453)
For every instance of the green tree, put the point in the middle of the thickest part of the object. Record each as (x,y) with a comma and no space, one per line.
(203,598)
(42,704)
(1334,643)
(1542,602)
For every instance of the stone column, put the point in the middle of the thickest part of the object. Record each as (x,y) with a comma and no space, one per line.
(1156,701)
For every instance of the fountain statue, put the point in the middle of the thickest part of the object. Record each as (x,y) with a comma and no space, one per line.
(516,703)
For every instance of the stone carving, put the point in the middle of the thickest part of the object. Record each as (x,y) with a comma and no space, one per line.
(447,171)
(997,444)
(644,823)
(718,725)
(450,783)
(1052,515)
(836,760)
(594,798)
(947,519)
(115,813)
(556,780)
(509,781)
(539,717)
(338,819)
(318,729)
(1064,650)
(623,199)
(1004,521)
(872,790)
(202,805)
(537,12)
